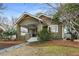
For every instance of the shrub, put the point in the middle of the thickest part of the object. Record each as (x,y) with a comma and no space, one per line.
(44,35)
(68,39)
(55,36)
(9,33)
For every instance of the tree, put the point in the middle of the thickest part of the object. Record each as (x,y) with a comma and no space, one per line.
(39,13)
(68,14)
(13,21)
(56,17)
(53,8)
(3,19)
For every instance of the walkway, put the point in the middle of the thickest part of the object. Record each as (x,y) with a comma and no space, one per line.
(32,39)
(22,50)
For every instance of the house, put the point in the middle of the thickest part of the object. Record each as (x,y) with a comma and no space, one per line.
(34,24)
(2,28)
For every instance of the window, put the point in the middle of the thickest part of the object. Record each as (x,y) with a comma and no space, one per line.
(24,31)
(54,28)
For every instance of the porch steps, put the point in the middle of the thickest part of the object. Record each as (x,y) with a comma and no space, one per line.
(32,39)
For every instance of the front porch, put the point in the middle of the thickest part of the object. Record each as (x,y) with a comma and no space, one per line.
(32,25)
(31,32)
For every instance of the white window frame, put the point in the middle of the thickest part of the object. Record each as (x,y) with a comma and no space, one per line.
(54,28)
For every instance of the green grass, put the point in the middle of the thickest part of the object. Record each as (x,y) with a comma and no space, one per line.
(47,49)
(61,50)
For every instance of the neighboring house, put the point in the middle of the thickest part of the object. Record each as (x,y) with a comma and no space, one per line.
(35,24)
(2,28)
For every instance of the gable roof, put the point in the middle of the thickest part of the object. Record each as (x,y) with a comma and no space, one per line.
(44,15)
(27,14)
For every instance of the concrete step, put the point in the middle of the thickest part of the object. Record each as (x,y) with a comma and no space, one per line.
(32,39)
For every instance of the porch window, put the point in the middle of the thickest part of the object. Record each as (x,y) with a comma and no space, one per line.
(24,31)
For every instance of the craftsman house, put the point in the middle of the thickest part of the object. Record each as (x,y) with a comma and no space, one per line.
(29,25)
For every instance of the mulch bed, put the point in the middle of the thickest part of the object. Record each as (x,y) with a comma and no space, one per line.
(66,43)
(11,42)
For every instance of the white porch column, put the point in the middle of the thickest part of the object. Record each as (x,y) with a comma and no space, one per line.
(18,32)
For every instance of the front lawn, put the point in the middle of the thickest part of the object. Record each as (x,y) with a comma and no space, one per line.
(61,50)
(48,48)
(55,48)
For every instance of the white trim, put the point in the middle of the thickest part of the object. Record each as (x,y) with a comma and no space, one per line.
(54,28)
(44,15)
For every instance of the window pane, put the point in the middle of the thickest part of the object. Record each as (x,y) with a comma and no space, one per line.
(54,28)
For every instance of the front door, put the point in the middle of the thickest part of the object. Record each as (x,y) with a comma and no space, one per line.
(34,32)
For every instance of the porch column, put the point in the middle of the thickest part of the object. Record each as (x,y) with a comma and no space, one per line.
(61,31)
(18,32)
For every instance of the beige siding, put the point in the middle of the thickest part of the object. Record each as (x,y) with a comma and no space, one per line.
(39,28)
(18,32)
(61,31)
(29,21)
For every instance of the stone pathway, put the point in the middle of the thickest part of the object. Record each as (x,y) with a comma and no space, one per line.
(6,50)
(22,50)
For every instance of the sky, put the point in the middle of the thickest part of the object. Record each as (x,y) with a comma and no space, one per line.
(16,9)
